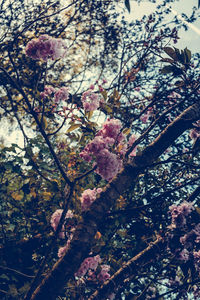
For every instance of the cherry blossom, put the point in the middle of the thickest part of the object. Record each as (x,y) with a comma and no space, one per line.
(55,219)
(45,47)
(88,197)
(108,164)
(90,100)
(89,263)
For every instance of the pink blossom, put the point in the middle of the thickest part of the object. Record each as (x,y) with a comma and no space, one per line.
(85,155)
(132,139)
(45,47)
(89,263)
(197,233)
(62,94)
(184,255)
(92,87)
(88,197)
(196,255)
(57,95)
(81,271)
(178,213)
(101,89)
(111,128)
(55,219)
(137,89)
(92,275)
(62,250)
(94,261)
(144,118)
(90,100)
(104,275)
(194,134)
(48,91)
(95,146)
(105,268)
(108,164)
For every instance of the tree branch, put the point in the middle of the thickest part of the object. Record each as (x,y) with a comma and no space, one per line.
(83,239)
(127,269)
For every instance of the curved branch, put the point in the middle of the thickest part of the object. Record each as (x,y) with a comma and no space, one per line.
(127,269)
(42,131)
(83,239)
(131,267)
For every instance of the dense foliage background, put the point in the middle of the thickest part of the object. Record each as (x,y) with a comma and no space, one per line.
(139,78)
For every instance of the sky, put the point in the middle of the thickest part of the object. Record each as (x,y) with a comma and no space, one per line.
(189,39)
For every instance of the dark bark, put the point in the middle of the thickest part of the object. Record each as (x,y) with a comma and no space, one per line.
(129,268)
(133,265)
(83,239)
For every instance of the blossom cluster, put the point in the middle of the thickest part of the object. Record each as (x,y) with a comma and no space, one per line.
(99,149)
(90,100)
(88,197)
(45,47)
(195,133)
(56,102)
(55,219)
(61,94)
(179,213)
(104,273)
(189,242)
(145,117)
(132,139)
(62,250)
(185,240)
(108,163)
(88,270)
(89,263)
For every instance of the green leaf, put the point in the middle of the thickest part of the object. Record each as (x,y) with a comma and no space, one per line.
(126,131)
(107,108)
(127,4)
(167,69)
(116,95)
(179,56)
(29,152)
(188,54)
(73,127)
(104,94)
(170,52)
(3,276)
(183,57)
(89,114)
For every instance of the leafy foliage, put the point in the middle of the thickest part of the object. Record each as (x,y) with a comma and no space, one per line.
(143,83)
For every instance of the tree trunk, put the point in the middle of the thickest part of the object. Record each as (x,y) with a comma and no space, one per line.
(83,239)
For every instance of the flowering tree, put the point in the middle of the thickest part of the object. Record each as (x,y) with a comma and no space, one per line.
(101,200)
